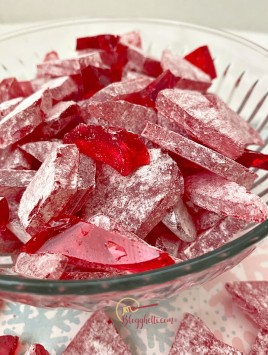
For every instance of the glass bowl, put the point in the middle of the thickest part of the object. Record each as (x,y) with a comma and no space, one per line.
(242,82)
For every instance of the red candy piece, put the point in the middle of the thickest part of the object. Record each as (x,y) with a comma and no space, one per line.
(4,216)
(219,195)
(51,189)
(12,158)
(40,150)
(97,336)
(121,149)
(213,238)
(10,89)
(8,106)
(261,344)
(98,249)
(8,242)
(254,159)
(188,75)
(24,118)
(105,42)
(62,88)
(41,266)
(160,184)
(199,154)
(202,59)
(194,337)
(8,344)
(36,349)
(17,228)
(252,298)
(13,182)
(132,39)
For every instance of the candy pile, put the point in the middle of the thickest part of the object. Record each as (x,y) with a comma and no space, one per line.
(113,162)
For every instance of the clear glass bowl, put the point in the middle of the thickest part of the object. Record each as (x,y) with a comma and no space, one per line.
(242,82)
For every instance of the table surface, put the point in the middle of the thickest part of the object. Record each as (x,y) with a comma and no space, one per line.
(54,328)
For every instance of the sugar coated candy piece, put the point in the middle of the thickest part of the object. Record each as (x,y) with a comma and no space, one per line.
(122,150)
(24,118)
(132,38)
(36,349)
(254,159)
(219,195)
(8,106)
(190,77)
(151,190)
(10,89)
(252,298)
(12,158)
(202,59)
(40,150)
(260,347)
(194,337)
(62,88)
(97,336)
(8,344)
(97,249)
(198,154)
(17,228)
(13,182)
(4,215)
(41,266)
(51,188)
(195,113)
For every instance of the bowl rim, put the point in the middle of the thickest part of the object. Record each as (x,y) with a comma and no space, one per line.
(132,282)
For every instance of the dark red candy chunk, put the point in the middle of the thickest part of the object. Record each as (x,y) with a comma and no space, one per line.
(41,266)
(194,337)
(4,214)
(254,159)
(40,150)
(106,42)
(188,76)
(199,154)
(10,89)
(261,344)
(219,195)
(122,150)
(202,59)
(8,242)
(49,192)
(8,106)
(97,336)
(8,344)
(36,349)
(160,184)
(252,298)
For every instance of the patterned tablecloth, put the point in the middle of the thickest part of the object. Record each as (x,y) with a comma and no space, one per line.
(55,328)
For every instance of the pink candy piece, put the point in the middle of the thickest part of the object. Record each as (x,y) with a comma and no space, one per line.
(50,190)
(219,195)
(8,106)
(213,238)
(62,88)
(151,190)
(13,182)
(194,337)
(252,298)
(52,55)
(41,266)
(24,118)
(10,89)
(199,154)
(4,216)
(40,150)
(190,76)
(8,344)
(132,38)
(195,113)
(13,158)
(261,344)
(97,336)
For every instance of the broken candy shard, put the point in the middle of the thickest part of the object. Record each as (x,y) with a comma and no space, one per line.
(24,118)
(252,298)
(219,195)
(4,215)
(10,89)
(261,344)
(8,106)
(36,349)
(41,266)
(151,190)
(40,150)
(13,158)
(106,42)
(188,76)
(122,150)
(13,182)
(98,247)
(193,112)
(253,159)
(199,154)
(97,336)
(49,192)
(194,337)
(8,242)
(8,344)
(62,88)
(202,59)
(132,38)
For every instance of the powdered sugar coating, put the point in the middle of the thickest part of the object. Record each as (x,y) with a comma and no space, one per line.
(261,344)
(40,150)
(8,106)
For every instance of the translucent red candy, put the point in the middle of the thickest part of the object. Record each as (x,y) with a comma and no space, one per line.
(97,336)
(202,59)
(51,188)
(8,344)
(122,150)
(8,242)
(106,42)
(10,89)
(62,88)
(261,344)
(151,190)
(36,349)
(199,154)
(4,216)
(194,337)
(252,298)
(219,195)
(8,106)
(254,159)
(41,266)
